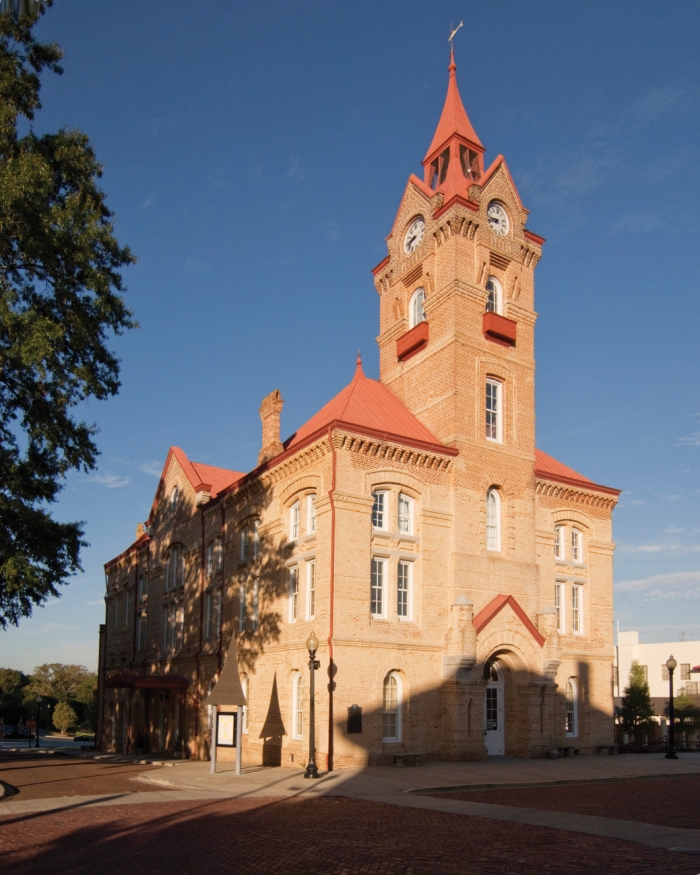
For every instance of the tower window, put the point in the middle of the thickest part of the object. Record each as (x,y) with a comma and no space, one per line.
(444,164)
(494,302)
(493,520)
(469,160)
(417,308)
(493,410)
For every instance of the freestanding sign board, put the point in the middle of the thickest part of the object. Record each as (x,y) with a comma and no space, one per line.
(226,730)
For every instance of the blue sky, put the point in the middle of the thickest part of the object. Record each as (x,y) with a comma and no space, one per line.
(255,155)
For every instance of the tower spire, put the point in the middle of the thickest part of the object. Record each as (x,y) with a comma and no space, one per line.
(456,153)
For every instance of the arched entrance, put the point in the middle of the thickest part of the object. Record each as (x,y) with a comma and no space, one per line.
(494,713)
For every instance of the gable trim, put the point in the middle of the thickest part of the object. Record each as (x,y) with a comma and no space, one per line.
(484,617)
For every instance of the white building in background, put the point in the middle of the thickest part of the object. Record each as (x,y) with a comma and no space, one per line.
(652,658)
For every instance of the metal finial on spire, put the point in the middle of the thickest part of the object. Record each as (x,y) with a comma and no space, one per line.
(359,358)
(452,35)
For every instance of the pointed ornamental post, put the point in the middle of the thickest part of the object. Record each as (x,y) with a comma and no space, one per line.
(228,691)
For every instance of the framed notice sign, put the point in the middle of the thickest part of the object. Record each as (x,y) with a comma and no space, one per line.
(226,730)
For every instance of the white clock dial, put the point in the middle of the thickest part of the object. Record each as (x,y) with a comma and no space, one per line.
(414,235)
(498,219)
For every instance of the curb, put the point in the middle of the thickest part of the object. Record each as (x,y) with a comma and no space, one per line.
(458,788)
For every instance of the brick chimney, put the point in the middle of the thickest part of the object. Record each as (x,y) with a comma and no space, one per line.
(270,410)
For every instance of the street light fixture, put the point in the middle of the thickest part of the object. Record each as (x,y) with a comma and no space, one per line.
(671,752)
(312,647)
(38,704)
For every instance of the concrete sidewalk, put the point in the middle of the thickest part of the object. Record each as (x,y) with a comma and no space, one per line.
(407,787)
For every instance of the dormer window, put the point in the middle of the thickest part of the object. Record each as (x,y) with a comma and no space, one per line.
(495,298)
(416,313)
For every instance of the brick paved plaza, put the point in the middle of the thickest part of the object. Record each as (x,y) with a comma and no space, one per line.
(327,835)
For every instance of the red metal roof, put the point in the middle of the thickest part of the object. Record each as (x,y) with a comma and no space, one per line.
(484,617)
(454,118)
(367,404)
(217,478)
(549,468)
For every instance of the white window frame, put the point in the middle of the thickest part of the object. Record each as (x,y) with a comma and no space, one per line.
(210,559)
(218,554)
(242,605)
(256,539)
(405,514)
(576,545)
(571,708)
(493,407)
(311,590)
(378,596)
(559,549)
(294,515)
(298,705)
(404,575)
(493,520)
(311,513)
(416,308)
(208,614)
(293,593)
(577,609)
(244,545)
(560,605)
(397,711)
(380,510)
(494,303)
(255,619)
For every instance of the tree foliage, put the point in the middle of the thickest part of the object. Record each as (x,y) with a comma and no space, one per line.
(60,298)
(64,717)
(54,680)
(636,711)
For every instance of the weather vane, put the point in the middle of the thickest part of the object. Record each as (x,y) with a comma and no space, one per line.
(451,36)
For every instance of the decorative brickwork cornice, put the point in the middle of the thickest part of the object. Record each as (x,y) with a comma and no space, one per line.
(455,224)
(588,497)
(389,451)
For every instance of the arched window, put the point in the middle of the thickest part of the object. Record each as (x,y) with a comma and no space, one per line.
(298,705)
(175,569)
(391,717)
(416,312)
(571,708)
(494,302)
(493,520)
(173,498)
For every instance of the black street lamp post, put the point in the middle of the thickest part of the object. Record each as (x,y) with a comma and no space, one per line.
(38,705)
(671,752)
(312,647)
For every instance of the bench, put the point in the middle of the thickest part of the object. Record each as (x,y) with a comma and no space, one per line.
(568,751)
(407,759)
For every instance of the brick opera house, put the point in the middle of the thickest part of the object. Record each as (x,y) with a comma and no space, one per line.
(459,580)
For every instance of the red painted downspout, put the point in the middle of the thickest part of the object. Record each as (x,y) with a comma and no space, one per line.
(331,673)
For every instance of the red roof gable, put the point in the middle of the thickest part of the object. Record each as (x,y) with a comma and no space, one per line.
(549,468)
(484,617)
(454,118)
(368,405)
(216,478)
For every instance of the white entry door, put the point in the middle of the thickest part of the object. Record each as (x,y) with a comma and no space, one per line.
(493,714)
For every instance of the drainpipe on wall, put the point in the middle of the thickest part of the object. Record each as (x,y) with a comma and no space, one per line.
(331,682)
(201,609)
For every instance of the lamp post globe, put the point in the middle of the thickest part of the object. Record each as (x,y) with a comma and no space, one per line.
(312,647)
(671,752)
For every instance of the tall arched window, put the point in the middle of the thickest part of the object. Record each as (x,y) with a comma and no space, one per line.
(493,520)
(298,705)
(173,498)
(391,717)
(495,298)
(416,312)
(571,708)
(175,569)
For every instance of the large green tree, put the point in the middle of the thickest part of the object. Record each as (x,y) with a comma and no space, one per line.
(62,682)
(636,711)
(60,299)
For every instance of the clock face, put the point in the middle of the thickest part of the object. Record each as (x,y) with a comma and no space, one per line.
(414,235)
(498,219)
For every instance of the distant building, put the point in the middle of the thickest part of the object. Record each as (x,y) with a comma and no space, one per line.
(652,658)
(459,580)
